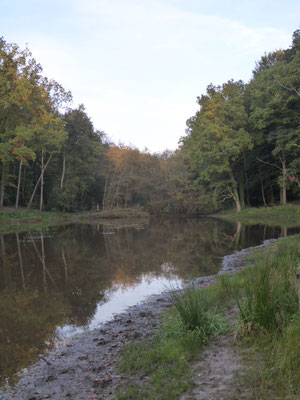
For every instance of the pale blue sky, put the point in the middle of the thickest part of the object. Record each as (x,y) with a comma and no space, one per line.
(139,65)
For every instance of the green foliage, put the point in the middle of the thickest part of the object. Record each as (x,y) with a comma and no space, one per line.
(242,146)
(288,211)
(217,139)
(270,291)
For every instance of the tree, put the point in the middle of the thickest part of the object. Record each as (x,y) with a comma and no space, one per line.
(274,105)
(30,126)
(77,169)
(217,139)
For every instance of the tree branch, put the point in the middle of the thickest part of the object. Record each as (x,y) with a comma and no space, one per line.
(291,89)
(267,163)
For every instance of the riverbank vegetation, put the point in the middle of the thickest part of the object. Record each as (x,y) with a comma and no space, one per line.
(286,211)
(264,320)
(240,149)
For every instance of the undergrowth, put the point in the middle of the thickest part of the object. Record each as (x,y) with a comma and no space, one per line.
(268,331)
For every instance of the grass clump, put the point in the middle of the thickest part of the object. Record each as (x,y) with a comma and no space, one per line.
(270,292)
(270,321)
(161,367)
(193,314)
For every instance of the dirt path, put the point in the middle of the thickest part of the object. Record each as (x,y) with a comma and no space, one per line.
(86,367)
(218,375)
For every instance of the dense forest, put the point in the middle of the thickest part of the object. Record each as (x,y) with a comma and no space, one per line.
(241,148)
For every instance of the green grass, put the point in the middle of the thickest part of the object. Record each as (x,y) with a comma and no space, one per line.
(13,214)
(162,365)
(267,330)
(12,221)
(287,211)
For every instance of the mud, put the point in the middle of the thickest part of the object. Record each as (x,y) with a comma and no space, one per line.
(217,376)
(85,368)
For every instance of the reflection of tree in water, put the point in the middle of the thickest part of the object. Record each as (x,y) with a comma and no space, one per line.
(56,277)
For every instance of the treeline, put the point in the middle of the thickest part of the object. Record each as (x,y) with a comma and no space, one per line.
(51,155)
(242,146)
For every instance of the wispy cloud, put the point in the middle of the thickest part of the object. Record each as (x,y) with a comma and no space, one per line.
(139,65)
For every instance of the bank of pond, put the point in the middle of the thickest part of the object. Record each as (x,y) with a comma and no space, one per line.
(58,281)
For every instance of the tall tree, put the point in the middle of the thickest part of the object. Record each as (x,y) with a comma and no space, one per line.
(217,139)
(29,120)
(274,99)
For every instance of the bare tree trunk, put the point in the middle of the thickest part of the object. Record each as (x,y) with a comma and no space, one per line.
(37,183)
(115,197)
(284,177)
(42,182)
(272,195)
(235,195)
(262,188)
(104,194)
(63,171)
(3,182)
(19,183)
(246,181)
(23,186)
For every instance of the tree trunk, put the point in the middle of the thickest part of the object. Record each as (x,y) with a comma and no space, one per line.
(237,203)
(235,194)
(284,178)
(42,182)
(19,183)
(262,189)
(63,171)
(23,186)
(272,195)
(104,194)
(241,188)
(38,181)
(247,182)
(3,184)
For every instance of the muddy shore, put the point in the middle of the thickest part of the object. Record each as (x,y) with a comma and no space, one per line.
(86,367)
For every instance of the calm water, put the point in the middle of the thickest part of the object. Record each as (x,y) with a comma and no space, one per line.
(57,282)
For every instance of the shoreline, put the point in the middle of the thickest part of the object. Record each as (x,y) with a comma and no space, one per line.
(87,365)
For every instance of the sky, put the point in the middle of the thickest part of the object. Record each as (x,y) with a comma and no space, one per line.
(139,65)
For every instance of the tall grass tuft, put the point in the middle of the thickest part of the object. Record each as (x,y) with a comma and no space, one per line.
(193,314)
(270,290)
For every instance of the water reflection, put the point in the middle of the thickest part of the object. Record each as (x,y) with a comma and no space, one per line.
(57,281)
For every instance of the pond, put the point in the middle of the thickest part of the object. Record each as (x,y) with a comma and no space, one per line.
(58,282)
